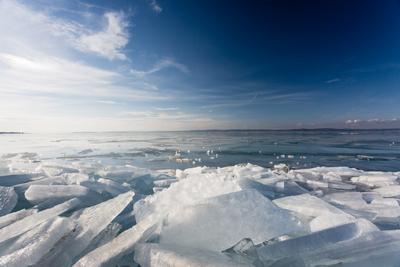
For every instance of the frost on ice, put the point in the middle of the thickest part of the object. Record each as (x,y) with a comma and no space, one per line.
(75,213)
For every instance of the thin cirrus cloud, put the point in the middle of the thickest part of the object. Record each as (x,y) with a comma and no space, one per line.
(373,123)
(155,6)
(160,65)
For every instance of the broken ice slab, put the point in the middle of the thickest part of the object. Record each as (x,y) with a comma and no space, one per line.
(376,248)
(75,178)
(30,247)
(386,202)
(105,186)
(148,255)
(8,199)
(122,245)
(90,223)
(307,205)
(289,188)
(321,172)
(376,179)
(59,193)
(190,190)
(56,170)
(35,219)
(217,223)
(353,200)
(389,191)
(21,188)
(266,190)
(314,241)
(15,216)
(387,216)
(105,236)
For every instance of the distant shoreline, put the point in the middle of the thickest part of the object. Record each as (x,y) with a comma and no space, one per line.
(254,130)
(12,133)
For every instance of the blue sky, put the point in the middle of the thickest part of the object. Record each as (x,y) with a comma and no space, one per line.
(168,65)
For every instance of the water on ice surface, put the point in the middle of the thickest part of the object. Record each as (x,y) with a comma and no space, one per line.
(323,198)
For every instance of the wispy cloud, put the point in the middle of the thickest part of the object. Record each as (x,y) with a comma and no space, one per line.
(108,102)
(374,123)
(108,42)
(335,80)
(375,120)
(155,6)
(252,98)
(160,65)
(167,109)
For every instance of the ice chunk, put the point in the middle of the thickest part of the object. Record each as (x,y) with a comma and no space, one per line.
(386,215)
(217,223)
(90,222)
(194,188)
(376,248)
(105,236)
(112,187)
(329,220)
(33,220)
(21,188)
(376,179)
(123,244)
(281,167)
(167,255)
(307,205)
(287,188)
(39,193)
(8,199)
(314,241)
(29,248)
(15,216)
(75,178)
(354,200)
(56,170)
(320,172)
(389,191)
(320,214)
(386,202)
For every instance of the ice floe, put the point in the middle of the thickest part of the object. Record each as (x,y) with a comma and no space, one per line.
(68,212)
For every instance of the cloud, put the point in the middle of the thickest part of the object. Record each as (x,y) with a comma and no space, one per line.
(61,77)
(335,80)
(49,80)
(167,109)
(167,115)
(373,123)
(253,98)
(109,102)
(160,65)
(108,42)
(155,6)
(40,29)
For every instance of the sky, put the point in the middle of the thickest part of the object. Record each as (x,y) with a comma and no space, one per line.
(79,65)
